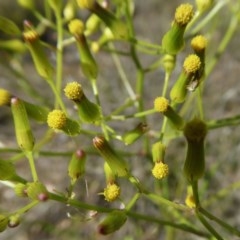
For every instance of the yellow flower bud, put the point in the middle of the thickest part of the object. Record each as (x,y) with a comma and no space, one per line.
(199,43)
(160,170)
(190,201)
(173,41)
(113,221)
(73,91)
(111,192)
(88,111)
(192,64)
(115,162)
(204,5)
(29,4)
(89,4)
(57,119)
(92,24)
(194,166)
(76,27)
(184,14)
(161,105)
(5,97)
(69,10)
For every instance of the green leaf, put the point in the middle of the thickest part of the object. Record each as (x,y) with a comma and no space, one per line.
(9,26)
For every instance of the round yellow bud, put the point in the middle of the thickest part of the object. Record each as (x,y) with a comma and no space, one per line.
(76,27)
(73,91)
(111,192)
(56,119)
(190,202)
(89,4)
(161,104)
(184,14)
(160,170)
(199,43)
(5,97)
(30,35)
(192,64)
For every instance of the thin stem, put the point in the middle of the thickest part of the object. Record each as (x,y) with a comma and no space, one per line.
(194,185)
(29,155)
(219,221)
(27,207)
(59,66)
(224,122)
(208,226)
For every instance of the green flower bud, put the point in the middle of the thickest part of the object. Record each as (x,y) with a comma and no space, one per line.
(88,111)
(37,191)
(118,28)
(21,190)
(88,64)
(14,221)
(169,62)
(40,59)
(23,131)
(204,5)
(13,45)
(114,221)
(194,166)
(76,167)
(133,135)
(111,192)
(3,222)
(58,120)
(161,105)
(5,97)
(115,162)
(69,10)
(173,41)
(190,74)
(29,4)
(92,24)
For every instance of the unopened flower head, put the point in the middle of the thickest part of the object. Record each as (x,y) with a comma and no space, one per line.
(111,192)
(184,14)
(76,27)
(57,119)
(195,130)
(161,104)
(199,43)
(88,4)
(160,170)
(73,91)
(192,64)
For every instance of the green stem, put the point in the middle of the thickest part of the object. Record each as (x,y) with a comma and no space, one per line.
(219,221)
(27,207)
(194,185)
(225,122)
(208,226)
(59,57)
(29,155)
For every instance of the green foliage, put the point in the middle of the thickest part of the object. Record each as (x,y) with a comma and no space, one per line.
(118,143)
